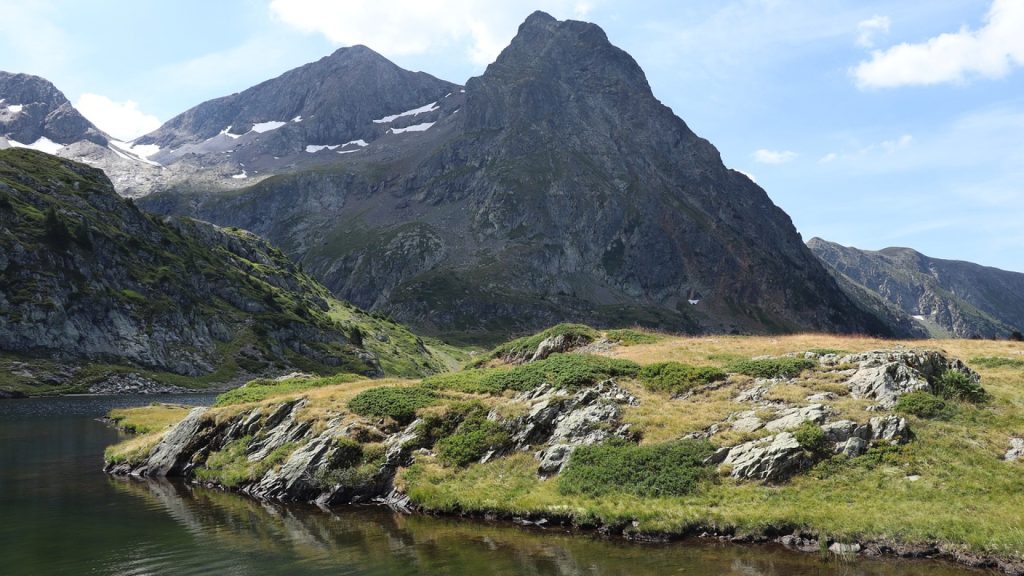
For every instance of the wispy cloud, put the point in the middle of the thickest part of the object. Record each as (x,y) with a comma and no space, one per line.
(764,156)
(867,29)
(405,27)
(991,52)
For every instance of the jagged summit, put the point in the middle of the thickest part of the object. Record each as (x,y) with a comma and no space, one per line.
(33,112)
(556,188)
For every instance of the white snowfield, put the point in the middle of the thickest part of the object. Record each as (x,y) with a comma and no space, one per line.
(15,108)
(261,127)
(314,148)
(141,152)
(43,144)
(240,176)
(414,128)
(421,110)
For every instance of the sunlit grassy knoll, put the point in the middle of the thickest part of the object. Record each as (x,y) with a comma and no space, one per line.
(146,419)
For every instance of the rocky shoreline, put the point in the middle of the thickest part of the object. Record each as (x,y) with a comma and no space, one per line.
(320,468)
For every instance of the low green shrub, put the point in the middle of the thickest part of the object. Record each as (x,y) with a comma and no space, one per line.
(922,404)
(230,466)
(399,404)
(570,371)
(347,453)
(470,441)
(812,439)
(997,362)
(669,469)
(628,337)
(955,385)
(675,378)
(782,367)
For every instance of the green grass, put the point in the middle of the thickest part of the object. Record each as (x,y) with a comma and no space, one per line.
(675,377)
(399,404)
(528,344)
(261,389)
(230,467)
(569,371)
(618,467)
(997,362)
(629,337)
(146,419)
(474,437)
(782,367)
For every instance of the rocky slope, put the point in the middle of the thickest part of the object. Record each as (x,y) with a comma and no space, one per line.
(89,280)
(556,187)
(35,114)
(944,297)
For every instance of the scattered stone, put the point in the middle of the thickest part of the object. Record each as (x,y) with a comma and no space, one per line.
(1016,451)
(746,421)
(853,447)
(841,549)
(755,394)
(132,383)
(822,397)
(913,478)
(890,429)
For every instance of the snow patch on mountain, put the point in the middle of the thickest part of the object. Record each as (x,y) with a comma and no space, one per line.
(15,108)
(414,128)
(314,148)
(415,111)
(43,144)
(261,127)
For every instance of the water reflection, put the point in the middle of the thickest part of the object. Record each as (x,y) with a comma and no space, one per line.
(374,540)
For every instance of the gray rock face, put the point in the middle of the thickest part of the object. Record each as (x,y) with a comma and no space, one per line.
(132,383)
(886,375)
(791,418)
(564,422)
(942,297)
(1016,451)
(174,451)
(520,211)
(770,459)
(33,108)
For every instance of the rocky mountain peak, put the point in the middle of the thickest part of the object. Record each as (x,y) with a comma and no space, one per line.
(34,113)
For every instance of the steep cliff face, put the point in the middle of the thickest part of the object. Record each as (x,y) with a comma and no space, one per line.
(87,278)
(946,297)
(557,187)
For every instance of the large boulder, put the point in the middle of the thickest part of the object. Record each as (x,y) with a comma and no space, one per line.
(885,375)
(770,459)
(1016,451)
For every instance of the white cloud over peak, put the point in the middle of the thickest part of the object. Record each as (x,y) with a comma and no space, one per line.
(404,27)
(763,156)
(867,29)
(991,51)
(122,120)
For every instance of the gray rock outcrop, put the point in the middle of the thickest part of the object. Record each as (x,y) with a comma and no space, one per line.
(1016,451)
(885,375)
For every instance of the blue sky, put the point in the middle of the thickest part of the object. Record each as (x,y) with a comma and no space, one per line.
(872,123)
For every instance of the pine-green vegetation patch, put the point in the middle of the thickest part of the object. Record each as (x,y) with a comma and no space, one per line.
(998,362)
(630,337)
(923,405)
(519,347)
(669,469)
(676,378)
(812,439)
(955,385)
(474,437)
(568,371)
(263,388)
(353,465)
(782,367)
(398,403)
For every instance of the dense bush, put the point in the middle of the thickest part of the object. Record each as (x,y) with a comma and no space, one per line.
(628,337)
(470,441)
(922,404)
(782,367)
(571,371)
(675,377)
(399,404)
(670,469)
(998,362)
(812,439)
(955,385)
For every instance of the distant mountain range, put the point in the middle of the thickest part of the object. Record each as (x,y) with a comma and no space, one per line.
(554,187)
(946,298)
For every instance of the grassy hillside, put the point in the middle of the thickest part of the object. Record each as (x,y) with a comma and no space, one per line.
(949,485)
(91,287)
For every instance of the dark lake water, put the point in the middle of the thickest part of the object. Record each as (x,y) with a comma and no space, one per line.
(59,514)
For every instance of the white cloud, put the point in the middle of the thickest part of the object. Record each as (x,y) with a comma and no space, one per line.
(763,156)
(122,120)
(990,52)
(830,157)
(748,175)
(868,28)
(404,27)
